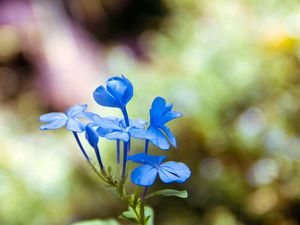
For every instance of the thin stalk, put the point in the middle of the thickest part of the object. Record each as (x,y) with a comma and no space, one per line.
(81,147)
(118,151)
(125,115)
(99,158)
(146,146)
(144,193)
(129,145)
(125,150)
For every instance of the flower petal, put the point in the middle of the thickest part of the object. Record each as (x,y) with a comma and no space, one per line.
(74,124)
(144,175)
(107,122)
(168,117)
(157,138)
(138,133)
(157,108)
(56,124)
(86,115)
(50,117)
(169,134)
(144,158)
(76,109)
(102,97)
(103,131)
(91,135)
(174,172)
(117,88)
(129,91)
(118,135)
(137,123)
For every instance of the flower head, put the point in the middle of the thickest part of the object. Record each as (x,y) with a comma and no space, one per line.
(168,172)
(114,128)
(117,93)
(91,135)
(160,114)
(71,119)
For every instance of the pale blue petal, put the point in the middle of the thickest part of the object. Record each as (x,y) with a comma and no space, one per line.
(157,138)
(50,117)
(174,172)
(157,108)
(137,123)
(86,115)
(74,124)
(56,124)
(104,98)
(138,133)
(144,158)
(118,135)
(75,109)
(144,175)
(107,122)
(169,134)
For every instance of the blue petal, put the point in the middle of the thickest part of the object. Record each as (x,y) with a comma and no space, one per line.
(144,175)
(168,108)
(157,108)
(75,110)
(117,88)
(74,124)
(168,117)
(50,117)
(107,122)
(138,133)
(169,134)
(86,115)
(56,124)
(157,138)
(129,91)
(104,98)
(118,135)
(91,135)
(144,158)
(137,123)
(174,172)
(103,131)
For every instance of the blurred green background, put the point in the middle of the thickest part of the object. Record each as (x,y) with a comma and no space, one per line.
(231,66)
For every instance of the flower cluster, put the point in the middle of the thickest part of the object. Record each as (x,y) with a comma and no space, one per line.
(117,93)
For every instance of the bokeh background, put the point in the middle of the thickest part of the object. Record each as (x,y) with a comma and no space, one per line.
(231,66)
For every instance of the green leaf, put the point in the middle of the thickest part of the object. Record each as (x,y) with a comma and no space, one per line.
(97,222)
(149,214)
(129,215)
(168,193)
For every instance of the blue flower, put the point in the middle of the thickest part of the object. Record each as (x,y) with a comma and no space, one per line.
(114,128)
(168,172)
(117,93)
(91,135)
(71,119)
(160,114)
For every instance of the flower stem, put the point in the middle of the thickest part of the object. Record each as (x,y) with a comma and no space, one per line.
(125,150)
(81,147)
(118,151)
(144,193)
(125,115)
(99,158)
(146,146)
